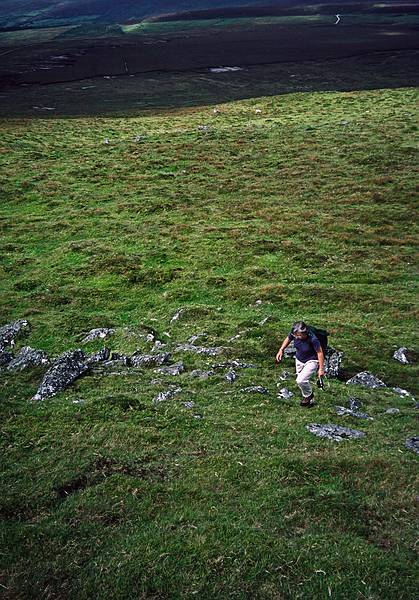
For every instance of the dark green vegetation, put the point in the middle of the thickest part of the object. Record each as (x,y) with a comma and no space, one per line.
(307,206)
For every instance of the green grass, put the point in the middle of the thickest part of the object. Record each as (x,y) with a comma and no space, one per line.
(307,206)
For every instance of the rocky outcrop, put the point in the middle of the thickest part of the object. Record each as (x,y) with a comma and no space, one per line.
(98,357)
(10,332)
(175,369)
(332,363)
(28,357)
(342,411)
(366,379)
(202,374)
(255,389)
(98,334)
(5,358)
(167,395)
(334,432)
(63,372)
(150,360)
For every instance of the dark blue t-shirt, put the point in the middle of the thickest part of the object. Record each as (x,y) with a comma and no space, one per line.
(306,349)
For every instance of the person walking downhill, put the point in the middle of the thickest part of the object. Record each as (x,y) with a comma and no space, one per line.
(309,358)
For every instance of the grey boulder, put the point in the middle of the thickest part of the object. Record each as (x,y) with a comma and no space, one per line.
(285,393)
(413,443)
(401,356)
(175,369)
(231,376)
(10,332)
(334,432)
(28,357)
(342,411)
(332,363)
(202,374)
(150,360)
(62,373)
(366,379)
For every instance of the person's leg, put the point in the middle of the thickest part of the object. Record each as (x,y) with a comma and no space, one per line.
(303,376)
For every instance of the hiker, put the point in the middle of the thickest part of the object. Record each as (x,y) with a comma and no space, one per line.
(309,358)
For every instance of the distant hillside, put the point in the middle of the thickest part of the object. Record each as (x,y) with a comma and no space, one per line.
(36,13)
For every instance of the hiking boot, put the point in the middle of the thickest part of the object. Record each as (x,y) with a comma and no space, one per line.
(309,401)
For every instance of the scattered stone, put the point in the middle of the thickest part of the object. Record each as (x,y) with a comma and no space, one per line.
(5,358)
(354,404)
(199,349)
(400,355)
(202,374)
(342,411)
(198,416)
(402,392)
(231,376)
(255,389)
(175,369)
(332,363)
(334,432)
(100,356)
(10,332)
(285,393)
(28,357)
(189,404)
(413,443)
(366,379)
(236,364)
(284,376)
(98,334)
(392,411)
(203,128)
(177,315)
(63,372)
(150,360)
(167,395)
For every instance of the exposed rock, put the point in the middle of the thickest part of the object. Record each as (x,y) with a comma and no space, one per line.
(290,351)
(100,356)
(28,357)
(413,443)
(150,360)
(167,395)
(158,345)
(202,374)
(235,364)
(199,349)
(63,372)
(284,376)
(121,358)
(197,336)
(392,411)
(402,392)
(332,363)
(177,315)
(366,379)
(334,432)
(285,393)
(354,403)
(401,356)
(10,332)
(189,404)
(5,358)
(231,376)
(98,334)
(175,369)
(255,389)
(342,411)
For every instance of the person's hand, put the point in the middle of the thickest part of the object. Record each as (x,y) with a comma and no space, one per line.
(279,356)
(321,372)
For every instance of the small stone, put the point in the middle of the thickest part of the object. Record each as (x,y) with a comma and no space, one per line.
(400,355)
(190,404)
(150,360)
(202,374)
(366,379)
(392,411)
(354,403)
(236,364)
(175,369)
(342,411)
(255,389)
(402,392)
(177,315)
(63,372)
(231,376)
(334,432)
(413,443)
(167,395)
(28,357)
(285,393)
(98,334)
(284,376)
(10,332)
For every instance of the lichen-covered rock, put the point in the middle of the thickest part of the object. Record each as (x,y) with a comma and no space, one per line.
(366,379)
(332,363)
(10,332)
(413,443)
(175,369)
(342,411)
(202,374)
(167,395)
(334,432)
(231,376)
(28,357)
(214,351)
(98,334)
(401,355)
(62,373)
(150,360)
(285,393)
(5,358)
(100,356)
(255,389)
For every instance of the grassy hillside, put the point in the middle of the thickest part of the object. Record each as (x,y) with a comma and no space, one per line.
(304,202)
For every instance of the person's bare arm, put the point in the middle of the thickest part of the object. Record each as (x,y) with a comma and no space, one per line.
(320,358)
(280,352)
